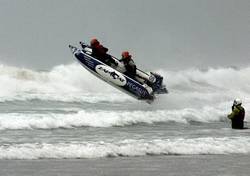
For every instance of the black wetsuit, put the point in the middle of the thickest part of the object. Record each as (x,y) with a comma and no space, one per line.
(237,117)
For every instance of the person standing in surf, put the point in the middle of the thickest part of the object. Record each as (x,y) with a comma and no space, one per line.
(237,115)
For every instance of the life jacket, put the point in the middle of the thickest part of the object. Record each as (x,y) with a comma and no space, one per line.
(130,66)
(99,51)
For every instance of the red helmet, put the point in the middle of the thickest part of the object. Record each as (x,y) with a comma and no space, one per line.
(125,54)
(94,42)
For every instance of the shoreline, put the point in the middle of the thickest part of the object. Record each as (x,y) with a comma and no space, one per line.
(188,165)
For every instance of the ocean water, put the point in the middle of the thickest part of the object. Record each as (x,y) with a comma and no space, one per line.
(67,113)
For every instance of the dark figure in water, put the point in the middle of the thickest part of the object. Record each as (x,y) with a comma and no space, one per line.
(238,114)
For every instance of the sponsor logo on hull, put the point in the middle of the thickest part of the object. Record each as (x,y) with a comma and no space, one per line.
(111,75)
(137,89)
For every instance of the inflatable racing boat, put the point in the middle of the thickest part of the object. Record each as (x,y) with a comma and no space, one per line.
(143,87)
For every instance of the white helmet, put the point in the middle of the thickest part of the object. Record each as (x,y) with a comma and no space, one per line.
(237,101)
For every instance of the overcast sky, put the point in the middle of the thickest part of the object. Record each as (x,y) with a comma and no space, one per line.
(173,34)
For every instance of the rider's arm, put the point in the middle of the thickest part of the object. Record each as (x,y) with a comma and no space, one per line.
(234,113)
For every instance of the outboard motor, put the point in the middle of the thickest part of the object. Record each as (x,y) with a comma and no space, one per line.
(157,85)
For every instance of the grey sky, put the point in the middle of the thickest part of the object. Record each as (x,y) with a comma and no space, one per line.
(171,34)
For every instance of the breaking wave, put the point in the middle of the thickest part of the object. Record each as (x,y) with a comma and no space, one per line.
(180,146)
(195,95)
(108,118)
(212,85)
(70,80)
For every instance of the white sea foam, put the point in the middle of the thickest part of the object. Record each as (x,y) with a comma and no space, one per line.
(69,83)
(180,146)
(195,95)
(212,85)
(107,118)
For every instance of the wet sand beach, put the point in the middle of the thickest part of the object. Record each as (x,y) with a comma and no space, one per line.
(190,165)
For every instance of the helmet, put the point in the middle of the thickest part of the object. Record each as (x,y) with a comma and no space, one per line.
(94,41)
(237,101)
(125,54)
